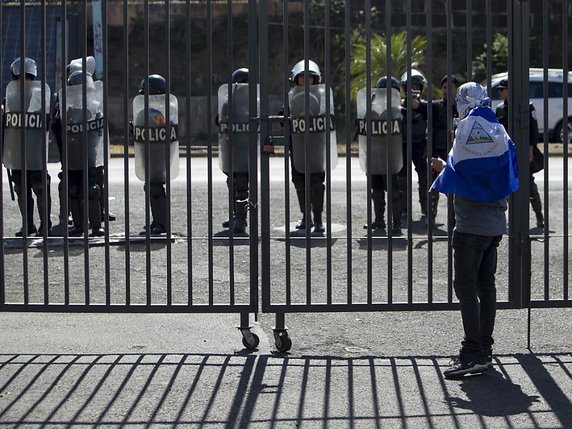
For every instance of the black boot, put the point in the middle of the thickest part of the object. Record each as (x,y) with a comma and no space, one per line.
(27,216)
(317,201)
(378,200)
(77,215)
(40,198)
(536,204)
(158,209)
(239,222)
(302,203)
(95,218)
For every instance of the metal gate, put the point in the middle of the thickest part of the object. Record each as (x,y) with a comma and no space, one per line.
(197,266)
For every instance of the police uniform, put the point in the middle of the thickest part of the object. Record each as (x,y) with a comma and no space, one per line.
(502,115)
(34,125)
(235,159)
(418,144)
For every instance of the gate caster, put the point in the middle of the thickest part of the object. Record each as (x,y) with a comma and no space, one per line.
(282,340)
(249,340)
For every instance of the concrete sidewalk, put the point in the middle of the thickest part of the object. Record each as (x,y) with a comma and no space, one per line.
(353,370)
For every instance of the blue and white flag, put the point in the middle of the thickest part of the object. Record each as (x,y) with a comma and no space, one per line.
(481,165)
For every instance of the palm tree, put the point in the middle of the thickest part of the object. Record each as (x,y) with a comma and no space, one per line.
(378,52)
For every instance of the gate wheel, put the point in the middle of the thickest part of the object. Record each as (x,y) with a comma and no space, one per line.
(282,341)
(252,342)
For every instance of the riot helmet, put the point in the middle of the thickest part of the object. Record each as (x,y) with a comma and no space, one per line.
(417,78)
(77,64)
(240,75)
(30,68)
(77,78)
(454,80)
(299,69)
(156,84)
(382,82)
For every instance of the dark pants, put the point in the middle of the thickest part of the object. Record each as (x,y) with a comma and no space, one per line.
(317,189)
(240,193)
(378,189)
(35,184)
(419,160)
(475,261)
(535,201)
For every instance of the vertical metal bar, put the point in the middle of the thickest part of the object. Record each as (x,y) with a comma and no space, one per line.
(430,143)
(85,159)
(327,60)
(367,7)
(210,151)
(409,114)
(347,85)
(469,40)
(519,276)
(449,11)
(566,6)
(287,136)
(308,212)
(253,56)
(2,265)
(126,138)
(254,124)
(146,49)
(188,155)
(169,266)
(545,50)
(24,175)
(231,154)
(489,35)
(64,154)
(105,189)
(45,216)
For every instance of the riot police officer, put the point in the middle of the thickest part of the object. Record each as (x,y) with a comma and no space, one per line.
(311,158)
(418,139)
(28,120)
(386,158)
(502,115)
(151,132)
(76,148)
(235,131)
(442,124)
(73,66)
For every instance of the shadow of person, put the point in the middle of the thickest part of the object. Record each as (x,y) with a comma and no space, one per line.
(381,242)
(222,238)
(492,395)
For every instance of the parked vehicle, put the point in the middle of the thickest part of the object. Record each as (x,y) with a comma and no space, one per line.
(557,126)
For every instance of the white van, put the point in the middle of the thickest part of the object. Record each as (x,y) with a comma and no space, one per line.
(555,101)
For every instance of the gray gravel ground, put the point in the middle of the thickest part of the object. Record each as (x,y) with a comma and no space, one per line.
(347,369)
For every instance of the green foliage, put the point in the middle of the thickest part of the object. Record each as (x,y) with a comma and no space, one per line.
(378,55)
(499,60)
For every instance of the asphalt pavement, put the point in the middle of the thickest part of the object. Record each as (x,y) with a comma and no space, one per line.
(345,369)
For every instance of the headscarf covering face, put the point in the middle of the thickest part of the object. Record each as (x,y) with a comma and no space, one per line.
(470,96)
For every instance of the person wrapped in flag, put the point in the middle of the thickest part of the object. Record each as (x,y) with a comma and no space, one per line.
(481,172)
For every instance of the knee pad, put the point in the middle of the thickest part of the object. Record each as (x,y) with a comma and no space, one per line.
(74,191)
(157,190)
(93,191)
(240,182)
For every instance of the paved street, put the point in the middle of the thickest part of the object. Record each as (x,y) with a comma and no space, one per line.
(360,369)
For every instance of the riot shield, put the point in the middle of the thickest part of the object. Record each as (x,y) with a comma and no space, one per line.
(312,159)
(75,127)
(386,156)
(234,131)
(157,135)
(31,123)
